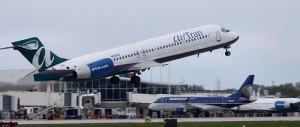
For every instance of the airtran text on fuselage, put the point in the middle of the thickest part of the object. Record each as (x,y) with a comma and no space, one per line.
(100,67)
(187,36)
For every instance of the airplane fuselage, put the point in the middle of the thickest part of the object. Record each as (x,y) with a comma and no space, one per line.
(206,103)
(148,53)
(271,105)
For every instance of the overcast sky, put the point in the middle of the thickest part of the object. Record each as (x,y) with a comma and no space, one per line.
(268,46)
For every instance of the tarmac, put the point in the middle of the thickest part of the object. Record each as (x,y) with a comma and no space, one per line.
(93,121)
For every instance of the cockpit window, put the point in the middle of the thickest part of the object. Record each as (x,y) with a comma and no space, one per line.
(225,30)
(158,100)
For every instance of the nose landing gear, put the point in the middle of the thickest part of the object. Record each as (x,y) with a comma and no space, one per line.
(227,53)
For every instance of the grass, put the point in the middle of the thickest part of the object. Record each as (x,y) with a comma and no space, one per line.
(198,124)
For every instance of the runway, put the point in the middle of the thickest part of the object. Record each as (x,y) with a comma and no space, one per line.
(218,119)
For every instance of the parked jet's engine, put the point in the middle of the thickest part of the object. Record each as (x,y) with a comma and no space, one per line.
(180,110)
(95,69)
(282,105)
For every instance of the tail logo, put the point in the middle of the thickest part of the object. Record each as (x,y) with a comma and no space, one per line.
(247,90)
(47,60)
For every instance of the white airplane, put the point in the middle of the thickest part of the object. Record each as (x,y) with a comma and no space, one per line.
(182,104)
(132,58)
(272,105)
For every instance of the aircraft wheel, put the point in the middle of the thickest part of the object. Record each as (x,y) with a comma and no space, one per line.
(114,80)
(227,53)
(135,79)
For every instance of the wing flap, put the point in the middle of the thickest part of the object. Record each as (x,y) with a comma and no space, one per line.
(145,65)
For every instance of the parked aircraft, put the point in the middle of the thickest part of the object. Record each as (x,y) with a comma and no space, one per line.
(271,105)
(132,58)
(182,104)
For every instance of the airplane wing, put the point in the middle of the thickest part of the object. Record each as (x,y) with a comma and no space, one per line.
(190,106)
(145,65)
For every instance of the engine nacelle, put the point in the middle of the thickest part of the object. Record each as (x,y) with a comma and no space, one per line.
(180,110)
(282,105)
(95,69)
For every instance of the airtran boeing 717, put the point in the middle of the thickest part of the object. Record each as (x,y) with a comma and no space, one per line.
(132,58)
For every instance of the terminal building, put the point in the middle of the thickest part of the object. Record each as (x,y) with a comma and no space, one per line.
(18,90)
(21,97)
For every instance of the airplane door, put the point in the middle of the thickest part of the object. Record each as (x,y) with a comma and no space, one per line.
(223,101)
(143,52)
(137,54)
(218,36)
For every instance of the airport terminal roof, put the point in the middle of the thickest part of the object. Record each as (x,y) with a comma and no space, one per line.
(13,76)
(26,76)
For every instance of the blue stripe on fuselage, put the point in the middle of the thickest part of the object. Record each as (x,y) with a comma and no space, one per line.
(226,102)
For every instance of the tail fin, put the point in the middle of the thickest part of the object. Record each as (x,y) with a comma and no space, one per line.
(35,52)
(244,93)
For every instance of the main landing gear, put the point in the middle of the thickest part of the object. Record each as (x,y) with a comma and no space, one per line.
(134,79)
(114,80)
(227,53)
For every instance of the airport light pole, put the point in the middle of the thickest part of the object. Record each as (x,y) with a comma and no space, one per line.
(169,77)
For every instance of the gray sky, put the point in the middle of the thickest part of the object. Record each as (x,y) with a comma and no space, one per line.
(268,46)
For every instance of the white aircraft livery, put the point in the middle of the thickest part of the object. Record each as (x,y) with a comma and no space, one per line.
(132,58)
(272,105)
(182,104)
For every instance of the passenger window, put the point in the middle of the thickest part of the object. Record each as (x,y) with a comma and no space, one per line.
(131,55)
(205,36)
(152,50)
(122,57)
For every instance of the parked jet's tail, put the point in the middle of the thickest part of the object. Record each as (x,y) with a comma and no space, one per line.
(244,93)
(35,52)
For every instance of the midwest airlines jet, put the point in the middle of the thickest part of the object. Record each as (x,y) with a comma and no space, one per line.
(132,58)
(272,105)
(182,104)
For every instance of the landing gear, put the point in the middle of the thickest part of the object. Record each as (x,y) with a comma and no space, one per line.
(227,53)
(114,80)
(135,79)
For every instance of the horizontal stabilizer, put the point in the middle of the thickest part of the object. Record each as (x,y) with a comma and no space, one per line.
(54,75)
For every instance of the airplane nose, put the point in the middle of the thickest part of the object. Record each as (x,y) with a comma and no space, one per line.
(235,35)
(151,106)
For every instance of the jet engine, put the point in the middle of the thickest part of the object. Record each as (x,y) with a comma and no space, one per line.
(95,69)
(282,105)
(180,110)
